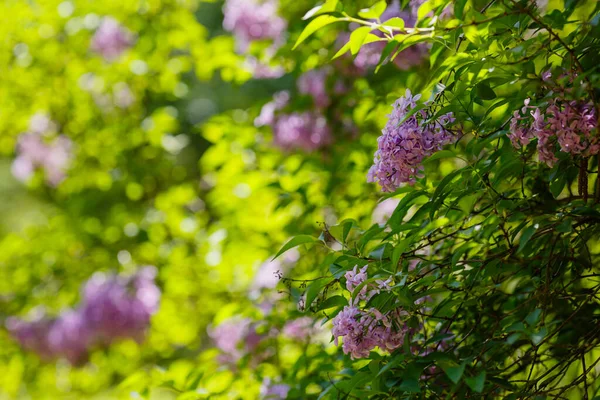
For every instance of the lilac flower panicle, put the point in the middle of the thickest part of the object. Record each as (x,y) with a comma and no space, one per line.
(314,83)
(113,308)
(251,20)
(570,124)
(111,39)
(306,131)
(403,146)
(362,329)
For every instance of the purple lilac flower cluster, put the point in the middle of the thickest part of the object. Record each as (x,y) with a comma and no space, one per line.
(251,20)
(113,307)
(364,329)
(111,39)
(572,124)
(35,152)
(405,143)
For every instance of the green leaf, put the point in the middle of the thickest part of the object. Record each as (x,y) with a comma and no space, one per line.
(328,6)
(397,359)
(525,236)
(410,385)
(395,23)
(342,51)
(425,9)
(476,383)
(485,92)
(296,241)
(454,372)
(313,26)
(399,249)
(313,291)
(357,38)
(333,301)
(387,50)
(533,317)
(373,12)
(536,338)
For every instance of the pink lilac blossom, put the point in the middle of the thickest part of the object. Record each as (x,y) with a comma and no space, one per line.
(273,391)
(307,131)
(403,146)
(111,39)
(314,83)
(113,308)
(364,329)
(235,338)
(251,20)
(572,124)
(33,152)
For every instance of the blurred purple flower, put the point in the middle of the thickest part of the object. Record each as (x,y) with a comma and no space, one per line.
(117,307)
(267,113)
(111,39)
(300,329)
(235,337)
(270,391)
(34,153)
(314,84)
(33,334)
(70,337)
(113,307)
(251,20)
(306,131)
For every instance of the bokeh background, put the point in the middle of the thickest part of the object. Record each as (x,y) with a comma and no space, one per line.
(164,167)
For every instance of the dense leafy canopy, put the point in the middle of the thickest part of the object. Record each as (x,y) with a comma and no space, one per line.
(348,199)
